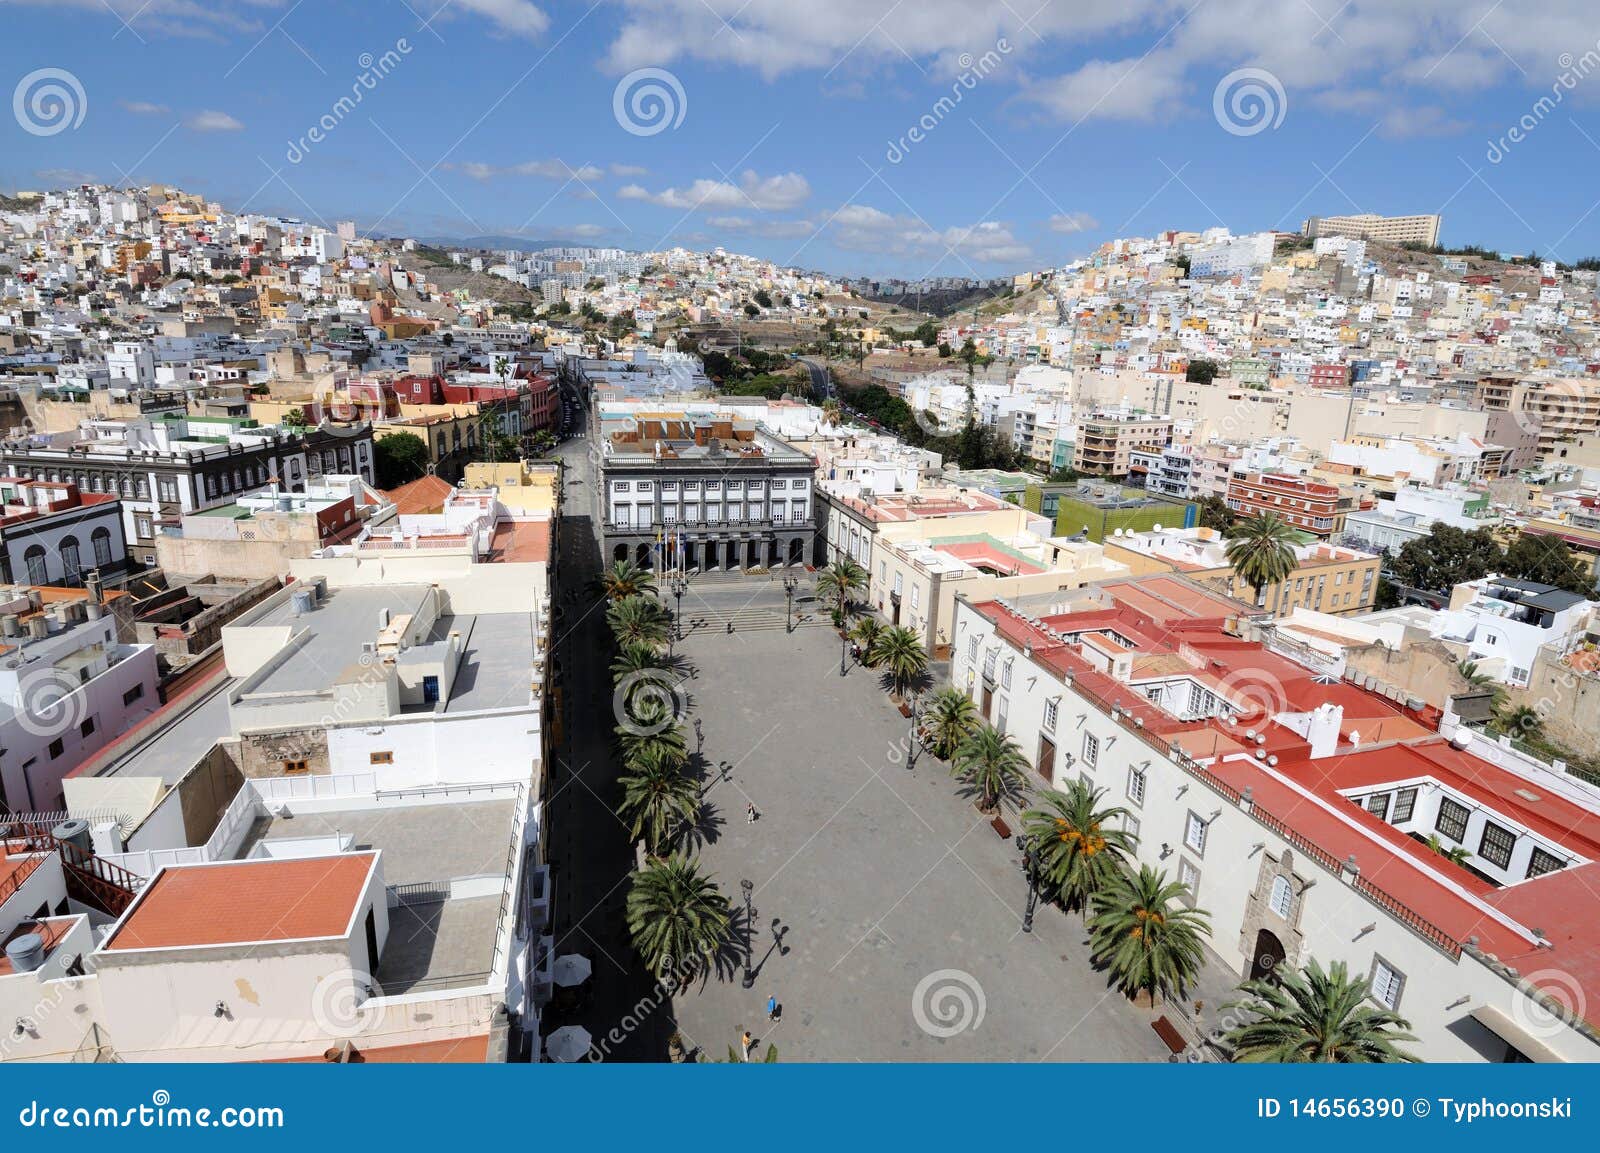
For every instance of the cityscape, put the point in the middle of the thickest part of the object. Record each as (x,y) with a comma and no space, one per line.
(721,620)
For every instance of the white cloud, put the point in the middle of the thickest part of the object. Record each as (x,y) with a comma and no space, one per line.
(213,121)
(1138,88)
(144,107)
(513,17)
(862,228)
(544,169)
(1070,222)
(628,170)
(758,193)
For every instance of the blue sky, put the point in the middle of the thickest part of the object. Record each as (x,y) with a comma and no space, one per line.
(789,125)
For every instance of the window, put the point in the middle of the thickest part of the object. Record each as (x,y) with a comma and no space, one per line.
(898,582)
(972,650)
(1452,820)
(1194,833)
(1005,671)
(619,486)
(57,747)
(1091,749)
(1542,862)
(1136,781)
(71,568)
(1387,983)
(1404,802)
(1497,844)
(1000,717)
(101,539)
(1189,877)
(1378,806)
(33,558)
(295,768)
(87,728)
(1130,824)
(1281,900)
(1051,708)
(133,694)
(988,664)
(386,757)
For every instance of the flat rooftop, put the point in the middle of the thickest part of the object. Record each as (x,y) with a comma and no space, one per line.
(244,902)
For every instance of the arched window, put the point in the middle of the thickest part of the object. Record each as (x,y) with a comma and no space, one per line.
(71,566)
(1282,899)
(101,540)
(34,559)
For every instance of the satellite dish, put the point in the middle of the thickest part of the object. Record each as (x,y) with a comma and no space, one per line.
(1158,526)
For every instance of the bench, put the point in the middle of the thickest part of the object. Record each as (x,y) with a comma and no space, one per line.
(999,825)
(1168,1032)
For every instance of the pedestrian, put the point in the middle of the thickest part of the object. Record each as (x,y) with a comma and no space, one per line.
(772,1007)
(745,1041)
(750,813)
(730,628)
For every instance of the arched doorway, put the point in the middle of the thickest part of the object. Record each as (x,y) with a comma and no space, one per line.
(797,551)
(1268,955)
(619,553)
(642,553)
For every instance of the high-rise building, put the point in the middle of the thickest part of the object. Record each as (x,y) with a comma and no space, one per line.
(1368,226)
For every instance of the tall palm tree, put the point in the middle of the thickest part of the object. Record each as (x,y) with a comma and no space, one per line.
(638,619)
(1077,849)
(899,651)
(658,799)
(866,632)
(949,718)
(831,412)
(626,579)
(1455,854)
(992,766)
(1520,721)
(650,730)
(678,918)
(637,657)
(1149,945)
(1262,550)
(1312,1015)
(839,581)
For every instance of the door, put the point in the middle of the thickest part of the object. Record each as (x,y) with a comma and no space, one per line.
(1269,954)
(988,700)
(430,690)
(372,942)
(1047,758)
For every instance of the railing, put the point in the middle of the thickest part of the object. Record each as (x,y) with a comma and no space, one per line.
(26,869)
(110,884)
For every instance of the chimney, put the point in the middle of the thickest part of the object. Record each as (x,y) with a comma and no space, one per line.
(91,584)
(10,625)
(1322,730)
(38,627)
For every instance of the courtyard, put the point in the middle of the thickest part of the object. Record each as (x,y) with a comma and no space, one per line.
(887,912)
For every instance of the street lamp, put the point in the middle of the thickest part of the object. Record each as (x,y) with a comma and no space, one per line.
(749,945)
(915,738)
(679,587)
(844,652)
(1029,867)
(790,583)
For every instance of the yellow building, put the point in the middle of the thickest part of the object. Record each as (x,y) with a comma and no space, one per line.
(524,486)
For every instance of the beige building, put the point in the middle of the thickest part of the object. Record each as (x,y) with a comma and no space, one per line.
(1104,444)
(1368,226)
(522,486)
(1328,578)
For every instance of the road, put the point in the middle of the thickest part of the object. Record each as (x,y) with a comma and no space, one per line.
(821,379)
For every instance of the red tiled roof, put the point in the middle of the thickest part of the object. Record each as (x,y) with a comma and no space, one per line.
(240,902)
(472,1050)
(426,494)
(520,540)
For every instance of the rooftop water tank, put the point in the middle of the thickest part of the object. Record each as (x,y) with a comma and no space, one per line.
(76,831)
(26,953)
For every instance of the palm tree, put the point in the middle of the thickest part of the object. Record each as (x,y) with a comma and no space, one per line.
(638,619)
(1149,946)
(992,766)
(650,730)
(1455,854)
(626,579)
(838,581)
(658,799)
(1262,551)
(637,657)
(1520,721)
(1315,1016)
(677,917)
(866,632)
(902,656)
(1077,849)
(949,719)
(831,412)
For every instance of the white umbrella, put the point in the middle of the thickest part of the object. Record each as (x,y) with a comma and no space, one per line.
(572,969)
(569,1044)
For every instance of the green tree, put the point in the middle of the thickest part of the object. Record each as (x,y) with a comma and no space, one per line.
(639,619)
(1312,1015)
(626,579)
(1079,848)
(1446,557)
(866,632)
(1546,559)
(900,653)
(1262,550)
(948,719)
(1519,721)
(678,918)
(992,767)
(295,418)
(636,657)
(763,298)
(650,731)
(1215,514)
(927,333)
(658,800)
(399,458)
(1201,371)
(839,583)
(1150,942)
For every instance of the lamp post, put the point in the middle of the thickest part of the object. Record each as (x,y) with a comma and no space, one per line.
(1029,866)
(915,738)
(679,587)
(844,651)
(749,945)
(790,583)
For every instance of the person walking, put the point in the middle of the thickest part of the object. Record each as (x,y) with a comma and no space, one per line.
(772,1007)
(750,813)
(745,1041)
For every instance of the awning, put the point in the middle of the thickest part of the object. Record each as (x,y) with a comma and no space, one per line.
(1517,1035)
